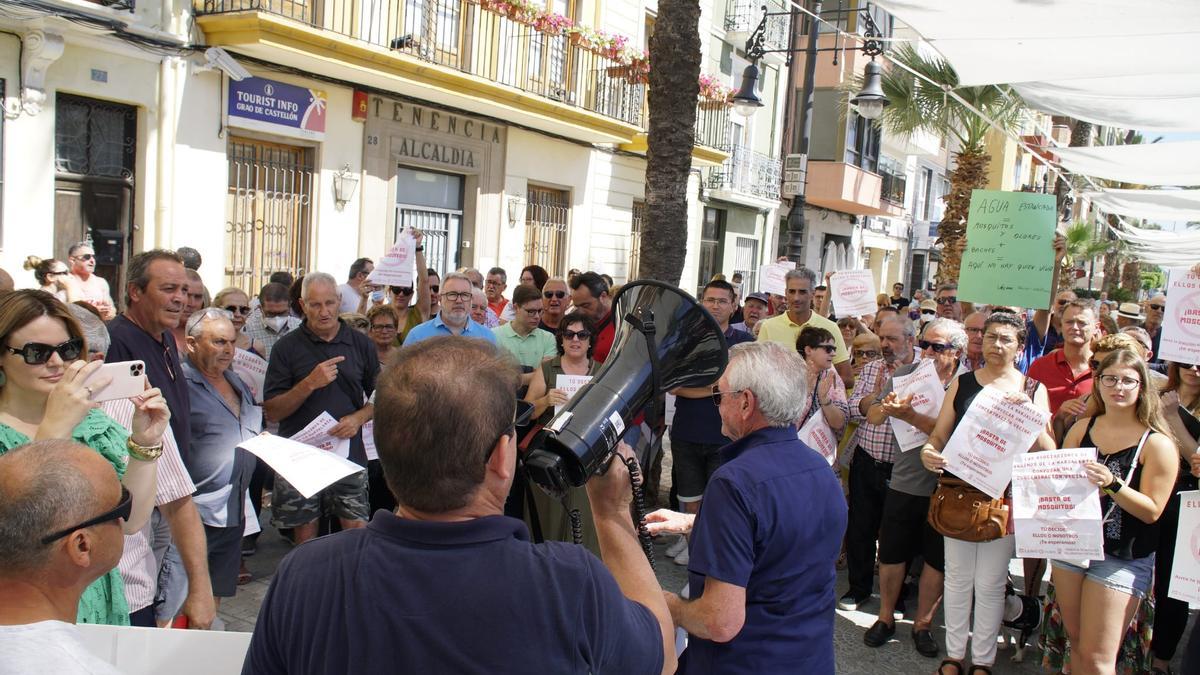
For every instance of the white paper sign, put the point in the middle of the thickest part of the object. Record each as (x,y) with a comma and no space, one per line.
(817,435)
(307,468)
(317,435)
(134,650)
(252,524)
(1180,338)
(1185,572)
(569,384)
(927,395)
(253,371)
(395,268)
(771,277)
(853,293)
(1056,509)
(368,433)
(669,416)
(990,436)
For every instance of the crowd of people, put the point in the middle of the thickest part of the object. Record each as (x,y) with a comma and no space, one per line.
(439,388)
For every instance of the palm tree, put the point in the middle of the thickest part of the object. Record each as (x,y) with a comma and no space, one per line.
(674,89)
(918,105)
(1082,244)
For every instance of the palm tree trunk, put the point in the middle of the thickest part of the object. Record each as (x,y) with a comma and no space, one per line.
(1112,261)
(1131,278)
(674,89)
(970,173)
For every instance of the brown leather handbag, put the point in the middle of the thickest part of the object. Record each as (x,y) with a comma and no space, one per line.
(961,511)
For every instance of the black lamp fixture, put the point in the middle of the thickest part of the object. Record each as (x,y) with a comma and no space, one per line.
(871,101)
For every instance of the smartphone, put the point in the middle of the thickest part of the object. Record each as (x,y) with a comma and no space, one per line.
(128,380)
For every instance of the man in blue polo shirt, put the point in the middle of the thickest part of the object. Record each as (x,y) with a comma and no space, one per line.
(447,584)
(764,547)
(455,315)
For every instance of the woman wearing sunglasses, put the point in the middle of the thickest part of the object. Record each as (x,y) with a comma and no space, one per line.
(828,394)
(235,301)
(43,395)
(1136,468)
(55,278)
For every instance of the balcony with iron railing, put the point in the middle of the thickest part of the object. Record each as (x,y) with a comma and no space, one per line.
(126,5)
(743,16)
(746,174)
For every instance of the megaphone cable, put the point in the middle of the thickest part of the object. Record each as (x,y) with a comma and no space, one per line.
(639,507)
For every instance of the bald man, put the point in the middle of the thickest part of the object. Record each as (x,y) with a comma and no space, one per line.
(61,510)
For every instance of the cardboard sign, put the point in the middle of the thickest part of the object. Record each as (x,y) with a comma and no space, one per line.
(928,393)
(993,433)
(1009,258)
(1185,570)
(853,293)
(253,371)
(1180,337)
(569,384)
(317,435)
(307,468)
(817,435)
(1056,509)
(771,277)
(395,268)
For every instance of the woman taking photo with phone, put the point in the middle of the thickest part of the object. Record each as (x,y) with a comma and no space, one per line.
(1135,468)
(44,394)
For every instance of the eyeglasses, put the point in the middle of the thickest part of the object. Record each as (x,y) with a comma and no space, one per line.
(1112,381)
(457,296)
(434,287)
(401,290)
(569,335)
(520,418)
(554,294)
(85,256)
(121,511)
(937,347)
(237,309)
(866,354)
(717,394)
(37,353)
(973,331)
(948,300)
(829,349)
(383,326)
(532,311)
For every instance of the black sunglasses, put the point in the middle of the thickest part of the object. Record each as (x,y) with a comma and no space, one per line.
(520,419)
(937,348)
(434,287)
(554,294)
(37,353)
(1157,307)
(403,290)
(569,335)
(950,300)
(86,256)
(237,309)
(122,511)
(829,349)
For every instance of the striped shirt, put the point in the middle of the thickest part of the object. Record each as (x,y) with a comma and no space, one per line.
(877,440)
(256,327)
(137,566)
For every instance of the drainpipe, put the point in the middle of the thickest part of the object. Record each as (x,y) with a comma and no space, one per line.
(165,174)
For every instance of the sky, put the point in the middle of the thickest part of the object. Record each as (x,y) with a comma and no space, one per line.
(1167,137)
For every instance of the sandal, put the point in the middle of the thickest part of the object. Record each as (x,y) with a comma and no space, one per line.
(958,667)
(244,576)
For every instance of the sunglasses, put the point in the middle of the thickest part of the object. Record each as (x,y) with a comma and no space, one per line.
(1157,307)
(402,290)
(433,288)
(573,334)
(866,354)
(554,294)
(382,326)
(829,349)
(950,300)
(937,348)
(86,256)
(37,353)
(930,312)
(238,309)
(121,511)
(717,394)
(1063,303)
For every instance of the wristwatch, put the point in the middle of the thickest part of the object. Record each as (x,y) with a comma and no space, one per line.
(146,453)
(1112,491)
(419,249)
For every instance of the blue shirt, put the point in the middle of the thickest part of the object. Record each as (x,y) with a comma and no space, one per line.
(697,419)
(1037,346)
(465,597)
(436,327)
(772,522)
(220,469)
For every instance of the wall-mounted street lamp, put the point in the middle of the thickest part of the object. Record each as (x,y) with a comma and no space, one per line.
(344,185)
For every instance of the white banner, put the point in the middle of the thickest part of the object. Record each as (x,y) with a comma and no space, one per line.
(817,435)
(317,435)
(569,384)
(1185,570)
(307,468)
(853,293)
(1056,509)
(395,268)
(1180,338)
(927,392)
(771,277)
(990,436)
(253,371)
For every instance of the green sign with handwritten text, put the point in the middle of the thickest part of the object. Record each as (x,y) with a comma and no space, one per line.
(1009,259)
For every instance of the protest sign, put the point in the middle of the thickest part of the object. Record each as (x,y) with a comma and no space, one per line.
(1185,570)
(1009,258)
(134,650)
(569,384)
(253,371)
(317,435)
(1180,337)
(993,432)
(817,435)
(395,268)
(927,392)
(853,292)
(368,432)
(309,469)
(771,277)
(1056,509)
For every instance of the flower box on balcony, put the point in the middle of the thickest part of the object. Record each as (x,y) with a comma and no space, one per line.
(713,103)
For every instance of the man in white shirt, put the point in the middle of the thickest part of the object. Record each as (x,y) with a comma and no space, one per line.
(352,290)
(94,289)
(60,530)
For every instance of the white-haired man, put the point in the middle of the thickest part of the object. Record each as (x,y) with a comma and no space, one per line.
(761,581)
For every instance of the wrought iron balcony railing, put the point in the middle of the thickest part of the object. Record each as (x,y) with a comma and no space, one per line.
(747,172)
(712,124)
(742,16)
(463,35)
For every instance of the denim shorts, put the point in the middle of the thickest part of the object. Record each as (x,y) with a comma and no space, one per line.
(1131,577)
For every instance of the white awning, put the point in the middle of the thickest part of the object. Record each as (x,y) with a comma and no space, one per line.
(1156,247)
(1151,204)
(1176,163)
(1150,102)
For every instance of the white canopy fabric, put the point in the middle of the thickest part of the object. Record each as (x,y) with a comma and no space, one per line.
(1152,204)
(1176,163)
(1156,247)
(1113,62)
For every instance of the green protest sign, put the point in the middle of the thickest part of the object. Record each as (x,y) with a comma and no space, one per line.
(1009,259)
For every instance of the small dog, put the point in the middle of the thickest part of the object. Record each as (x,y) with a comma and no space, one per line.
(1019,630)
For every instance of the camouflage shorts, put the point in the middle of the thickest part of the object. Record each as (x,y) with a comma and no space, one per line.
(345,499)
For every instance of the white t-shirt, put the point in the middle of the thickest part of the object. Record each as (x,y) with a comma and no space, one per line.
(48,647)
(350,298)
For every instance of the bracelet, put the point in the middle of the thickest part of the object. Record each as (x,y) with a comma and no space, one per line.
(419,249)
(145,453)
(1110,491)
